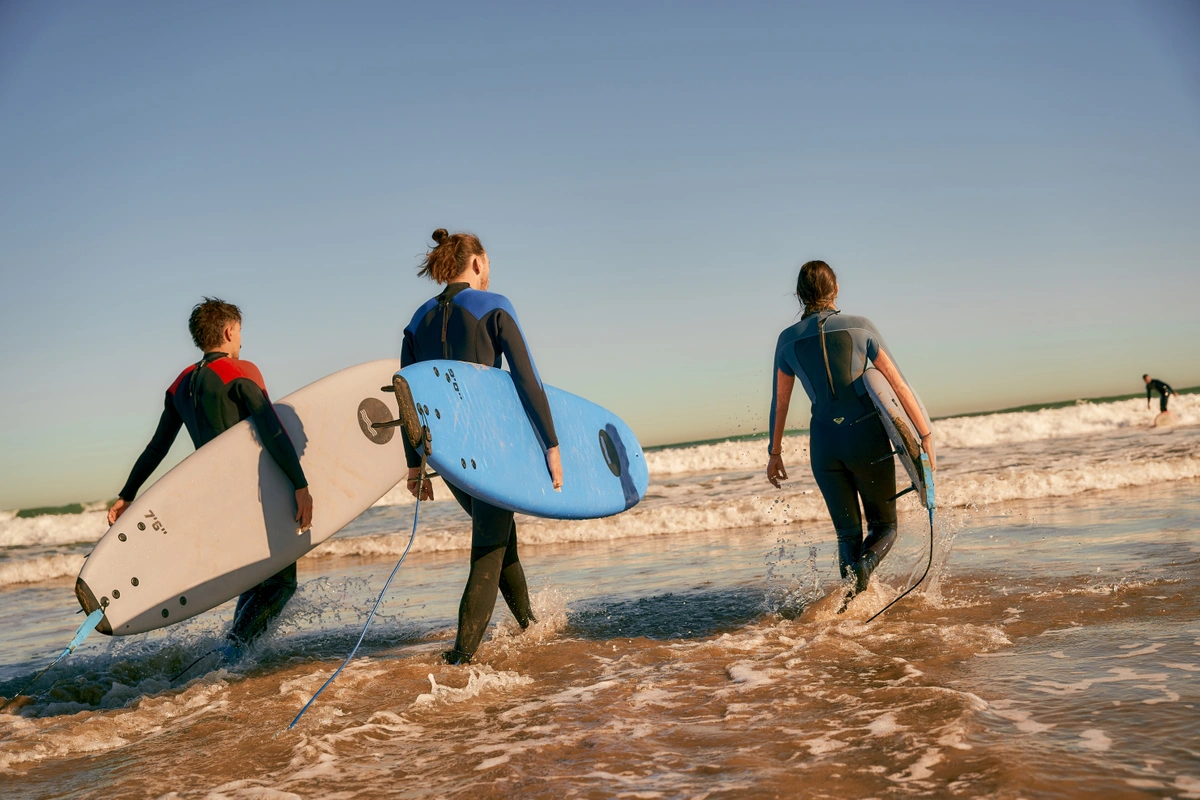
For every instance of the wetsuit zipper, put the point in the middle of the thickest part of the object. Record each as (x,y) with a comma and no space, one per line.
(200,365)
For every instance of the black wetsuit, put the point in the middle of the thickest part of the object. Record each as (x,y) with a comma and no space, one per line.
(1164,392)
(466,324)
(849,447)
(208,398)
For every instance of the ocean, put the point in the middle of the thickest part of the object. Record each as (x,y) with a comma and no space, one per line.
(1053,651)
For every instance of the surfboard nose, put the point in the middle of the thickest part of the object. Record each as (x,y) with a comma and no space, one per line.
(88,600)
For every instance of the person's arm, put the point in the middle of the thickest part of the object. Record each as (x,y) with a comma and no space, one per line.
(164,436)
(884,364)
(276,441)
(1149,389)
(529,388)
(781,399)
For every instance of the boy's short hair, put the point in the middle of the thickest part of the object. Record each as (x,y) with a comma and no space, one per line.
(208,322)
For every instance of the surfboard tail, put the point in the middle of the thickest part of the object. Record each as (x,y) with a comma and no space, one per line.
(87,599)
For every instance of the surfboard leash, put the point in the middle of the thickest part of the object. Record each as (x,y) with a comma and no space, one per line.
(89,625)
(932,507)
(416,515)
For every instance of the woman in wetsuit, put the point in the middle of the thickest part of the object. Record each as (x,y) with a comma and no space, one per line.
(849,449)
(466,322)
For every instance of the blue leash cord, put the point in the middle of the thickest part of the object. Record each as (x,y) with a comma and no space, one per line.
(927,471)
(363,635)
(89,625)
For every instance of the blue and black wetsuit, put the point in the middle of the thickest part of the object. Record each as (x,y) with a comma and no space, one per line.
(466,324)
(849,448)
(1164,392)
(210,397)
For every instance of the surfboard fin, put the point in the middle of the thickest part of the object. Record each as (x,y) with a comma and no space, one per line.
(410,422)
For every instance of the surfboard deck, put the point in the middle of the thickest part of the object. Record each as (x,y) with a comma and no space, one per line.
(223,520)
(902,433)
(481,440)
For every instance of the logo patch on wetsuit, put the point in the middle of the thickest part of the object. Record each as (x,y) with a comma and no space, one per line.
(839,420)
(370,411)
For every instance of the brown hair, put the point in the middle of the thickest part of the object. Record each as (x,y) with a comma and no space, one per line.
(816,287)
(208,322)
(450,255)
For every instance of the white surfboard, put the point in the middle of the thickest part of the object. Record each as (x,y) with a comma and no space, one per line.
(223,520)
(902,432)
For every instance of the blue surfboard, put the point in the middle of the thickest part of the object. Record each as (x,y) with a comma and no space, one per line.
(480,439)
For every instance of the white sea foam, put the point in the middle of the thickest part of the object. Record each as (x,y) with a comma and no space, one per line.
(480,680)
(984,460)
(52,529)
(1081,419)
(1095,739)
(719,456)
(42,568)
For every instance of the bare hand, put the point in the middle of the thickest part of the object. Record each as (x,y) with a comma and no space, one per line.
(304,508)
(117,509)
(776,472)
(554,464)
(927,446)
(414,475)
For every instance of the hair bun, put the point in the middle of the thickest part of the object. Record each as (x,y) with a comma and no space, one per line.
(440,235)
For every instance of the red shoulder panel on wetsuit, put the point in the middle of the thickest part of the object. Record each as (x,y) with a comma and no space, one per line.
(228,370)
(179,380)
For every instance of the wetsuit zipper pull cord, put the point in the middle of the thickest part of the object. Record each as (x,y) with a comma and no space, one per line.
(825,353)
(445,304)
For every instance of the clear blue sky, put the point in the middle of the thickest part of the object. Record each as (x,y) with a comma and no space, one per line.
(1011,191)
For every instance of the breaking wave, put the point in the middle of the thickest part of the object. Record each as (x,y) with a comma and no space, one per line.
(986,459)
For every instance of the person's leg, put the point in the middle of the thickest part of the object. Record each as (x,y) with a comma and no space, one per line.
(1162,402)
(261,604)
(875,478)
(492,530)
(512,583)
(837,487)
(478,602)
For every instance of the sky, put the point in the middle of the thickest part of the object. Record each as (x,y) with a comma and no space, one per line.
(1010,191)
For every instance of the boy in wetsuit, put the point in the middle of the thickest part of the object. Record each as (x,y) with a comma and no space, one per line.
(208,398)
(1164,391)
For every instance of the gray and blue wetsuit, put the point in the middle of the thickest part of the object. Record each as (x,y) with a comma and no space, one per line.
(466,324)
(849,448)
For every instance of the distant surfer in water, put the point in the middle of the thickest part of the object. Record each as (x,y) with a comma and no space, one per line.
(466,322)
(209,397)
(849,448)
(1164,392)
